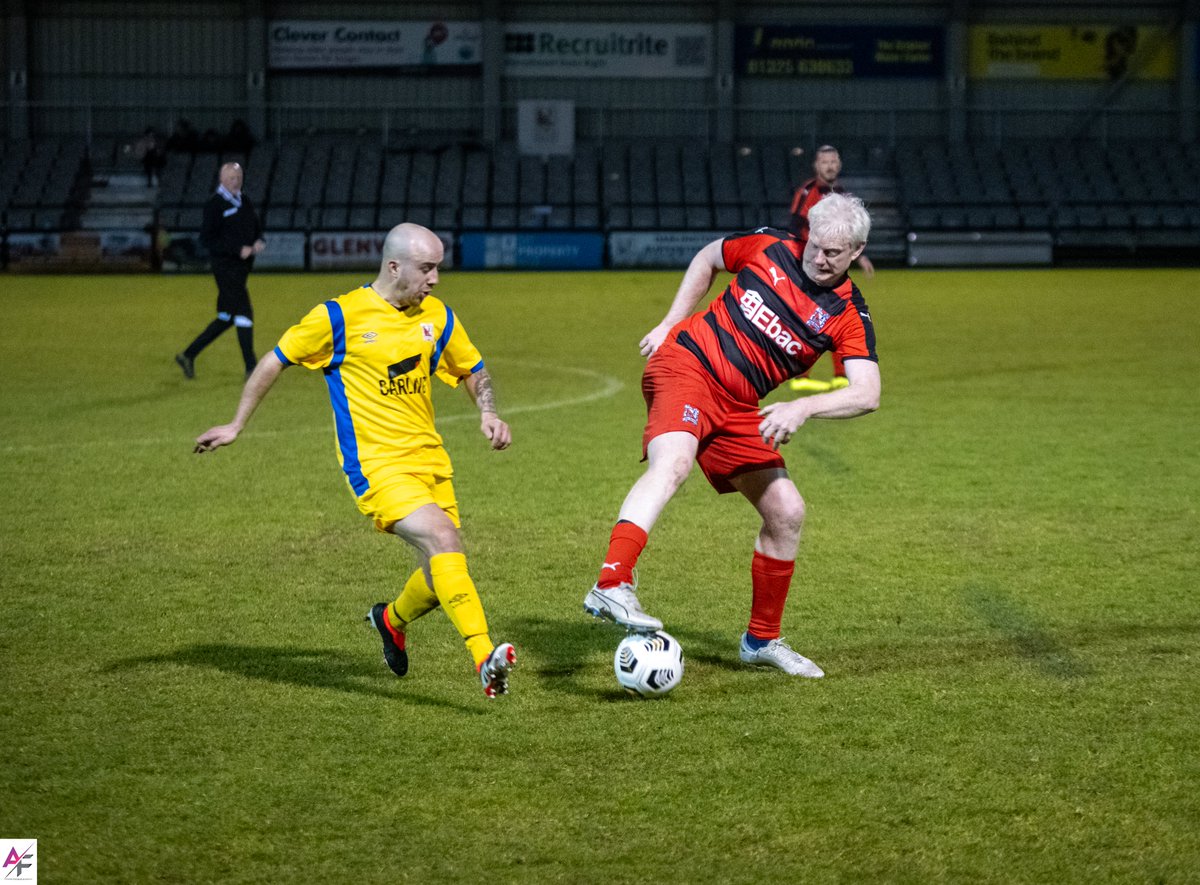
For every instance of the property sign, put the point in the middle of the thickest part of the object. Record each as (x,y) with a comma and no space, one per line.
(563,251)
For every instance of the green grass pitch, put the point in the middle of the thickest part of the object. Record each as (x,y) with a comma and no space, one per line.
(998,572)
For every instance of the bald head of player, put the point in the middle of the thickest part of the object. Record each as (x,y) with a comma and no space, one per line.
(409,270)
(231,177)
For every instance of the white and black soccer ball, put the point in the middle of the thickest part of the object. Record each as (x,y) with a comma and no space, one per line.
(649,664)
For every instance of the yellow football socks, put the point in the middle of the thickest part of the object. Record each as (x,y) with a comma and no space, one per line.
(415,600)
(480,647)
(460,600)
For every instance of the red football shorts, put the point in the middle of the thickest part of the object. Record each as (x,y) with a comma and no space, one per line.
(682,396)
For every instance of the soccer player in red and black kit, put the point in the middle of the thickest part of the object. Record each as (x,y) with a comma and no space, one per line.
(703,383)
(827,166)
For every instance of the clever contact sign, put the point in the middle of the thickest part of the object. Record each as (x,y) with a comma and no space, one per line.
(308,45)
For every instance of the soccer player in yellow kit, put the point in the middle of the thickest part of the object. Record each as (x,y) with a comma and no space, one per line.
(379,347)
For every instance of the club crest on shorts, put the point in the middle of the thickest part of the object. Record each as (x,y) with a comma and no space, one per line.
(691,415)
(427,331)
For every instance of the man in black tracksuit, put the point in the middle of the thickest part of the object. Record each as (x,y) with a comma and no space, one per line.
(232,234)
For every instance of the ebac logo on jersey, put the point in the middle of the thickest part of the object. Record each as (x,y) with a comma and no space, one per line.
(399,384)
(765,319)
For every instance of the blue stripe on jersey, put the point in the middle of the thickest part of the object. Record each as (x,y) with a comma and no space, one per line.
(442,341)
(475,368)
(283,359)
(347,441)
(337,323)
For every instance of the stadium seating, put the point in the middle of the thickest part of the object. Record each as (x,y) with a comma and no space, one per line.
(39,184)
(1077,193)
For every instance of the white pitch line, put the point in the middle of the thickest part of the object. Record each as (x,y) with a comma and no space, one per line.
(610,385)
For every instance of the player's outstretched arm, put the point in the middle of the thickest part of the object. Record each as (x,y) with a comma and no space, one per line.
(781,420)
(697,280)
(269,368)
(483,394)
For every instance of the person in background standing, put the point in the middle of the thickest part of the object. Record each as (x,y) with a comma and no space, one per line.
(232,234)
(827,166)
(152,152)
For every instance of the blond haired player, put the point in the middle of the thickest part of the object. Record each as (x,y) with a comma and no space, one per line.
(379,347)
(705,377)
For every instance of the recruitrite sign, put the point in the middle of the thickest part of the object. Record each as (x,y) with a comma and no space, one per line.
(308,45)
(642,50)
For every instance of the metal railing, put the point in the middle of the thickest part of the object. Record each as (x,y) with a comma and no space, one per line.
(883,125)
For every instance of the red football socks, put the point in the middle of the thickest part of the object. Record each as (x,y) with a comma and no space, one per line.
(770,580)
(625,545)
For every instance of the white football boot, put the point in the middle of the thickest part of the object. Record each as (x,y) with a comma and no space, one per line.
(620,605)
(493,672)
(777,653)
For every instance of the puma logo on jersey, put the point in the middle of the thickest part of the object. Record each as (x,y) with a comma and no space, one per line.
(776,276)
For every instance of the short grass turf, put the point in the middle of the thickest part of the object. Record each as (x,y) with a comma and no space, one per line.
(999,574)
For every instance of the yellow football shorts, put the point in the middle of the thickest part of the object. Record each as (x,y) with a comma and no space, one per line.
(396,494)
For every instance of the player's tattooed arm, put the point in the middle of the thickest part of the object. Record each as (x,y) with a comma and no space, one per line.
(479,386)
(484,392)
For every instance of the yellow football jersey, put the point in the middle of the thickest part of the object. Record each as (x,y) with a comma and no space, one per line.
(378,363)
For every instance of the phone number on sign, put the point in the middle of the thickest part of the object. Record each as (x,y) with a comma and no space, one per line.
(792,67)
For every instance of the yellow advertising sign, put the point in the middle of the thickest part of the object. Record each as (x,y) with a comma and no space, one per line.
(1065,52)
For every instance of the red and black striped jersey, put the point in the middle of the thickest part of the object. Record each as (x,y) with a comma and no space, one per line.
(808,195)
(772,322)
